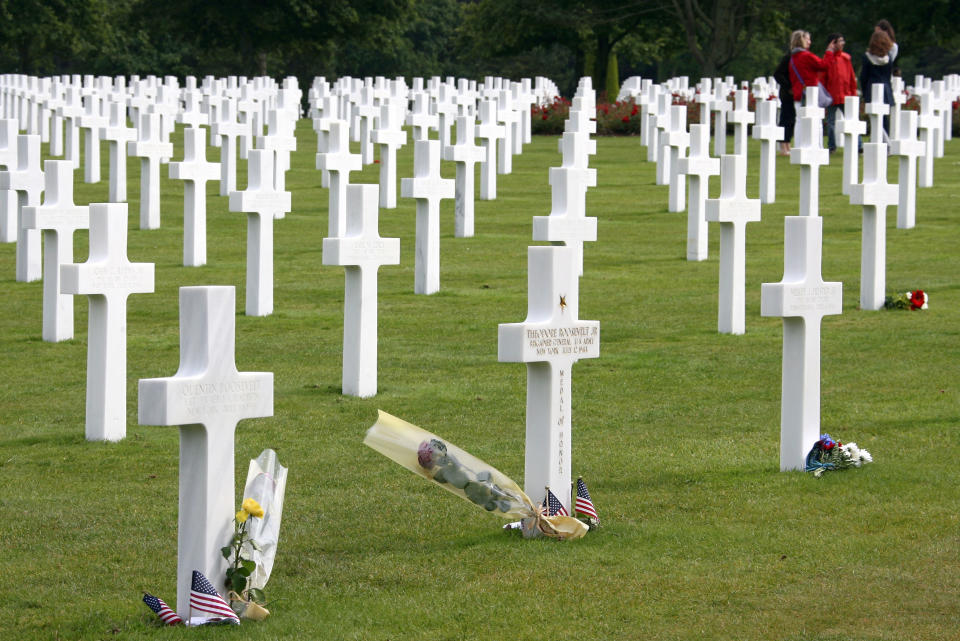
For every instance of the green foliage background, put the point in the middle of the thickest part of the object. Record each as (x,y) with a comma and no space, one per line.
(560,39)
(675,429)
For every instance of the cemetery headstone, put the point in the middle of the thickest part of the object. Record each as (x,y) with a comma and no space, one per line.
(875,194)
(206,399)
(768,133)
(549,341)
(56,219)
(151,149)
(195,172)
(261,201)
(489,132)
(850,128)
(466,155)
(428,188)
(107,279)
(361,251)
(733,210)
(802,299)
(27,180)
(908,148)
(698,167)
(339,162)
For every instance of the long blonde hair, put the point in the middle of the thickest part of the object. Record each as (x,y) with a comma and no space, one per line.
(796,39)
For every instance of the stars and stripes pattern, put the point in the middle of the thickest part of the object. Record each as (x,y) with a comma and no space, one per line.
(204,598)
(553,506)
(163,610)
(583,504)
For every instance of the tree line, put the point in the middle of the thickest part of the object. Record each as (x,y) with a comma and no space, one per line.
(559,39)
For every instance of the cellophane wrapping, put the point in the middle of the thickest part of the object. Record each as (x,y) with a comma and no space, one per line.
(463,474)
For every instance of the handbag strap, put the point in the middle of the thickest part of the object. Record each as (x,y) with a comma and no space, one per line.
(799,77)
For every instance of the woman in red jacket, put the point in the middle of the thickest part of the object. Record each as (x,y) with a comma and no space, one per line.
(805,67)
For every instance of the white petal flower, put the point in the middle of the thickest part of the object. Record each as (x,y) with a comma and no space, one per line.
(925,299)
(865,456)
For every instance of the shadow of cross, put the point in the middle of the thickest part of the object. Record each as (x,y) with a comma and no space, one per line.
(549,341)
(206,398)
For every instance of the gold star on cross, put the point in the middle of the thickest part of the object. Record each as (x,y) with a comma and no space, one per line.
(563,302)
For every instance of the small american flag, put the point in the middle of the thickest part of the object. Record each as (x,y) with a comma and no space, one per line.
(163,610)
(583,504)
(204,597)
(553,505)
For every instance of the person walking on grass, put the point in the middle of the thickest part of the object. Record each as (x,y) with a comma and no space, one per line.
(840,81)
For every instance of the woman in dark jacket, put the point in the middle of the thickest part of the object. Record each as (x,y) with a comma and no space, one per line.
(876,70)
(788,112)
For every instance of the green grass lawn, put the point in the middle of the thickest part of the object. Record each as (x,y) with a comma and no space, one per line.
(675,429)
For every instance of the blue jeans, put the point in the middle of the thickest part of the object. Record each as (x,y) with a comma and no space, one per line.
(831,129)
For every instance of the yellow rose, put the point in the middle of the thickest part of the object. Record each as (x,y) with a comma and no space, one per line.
(253,508)
(242,516)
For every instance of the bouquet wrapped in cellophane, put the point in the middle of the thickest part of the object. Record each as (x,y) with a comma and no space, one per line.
(466,476)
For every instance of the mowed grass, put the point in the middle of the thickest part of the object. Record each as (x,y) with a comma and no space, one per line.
(675,429)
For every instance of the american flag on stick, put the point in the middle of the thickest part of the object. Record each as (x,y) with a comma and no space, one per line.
(553,505)
(204,598)
(583,504)
(163,610)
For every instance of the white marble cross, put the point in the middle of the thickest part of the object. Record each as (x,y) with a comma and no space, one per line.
(466,155)
(151,149)
(664,116)
(549,341)
(908,148)
(420,118)
(118,136)
(698,167)
(362,251)
(733,210)
(262,202)
(56,219)
(367,113)
(90,124)
(741,116)
(206,399)
(227,130)
(330,111)
(704,98)
(649,115)
(720,106)
(928,124)
(26,178)
(281,141)
(429,189)
(875,194)
(899,97)
(809,154)
(768,133)
(568,222)
(195,172)
(802,299)
(875,110)
(850,127)
(71,111)
(489,132)
(391,137)
(8,197)
(191,115)
(677,140)
(107,279)
(511,126)
(339,162)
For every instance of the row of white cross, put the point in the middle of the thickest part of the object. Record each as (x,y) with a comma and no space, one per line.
(802,298)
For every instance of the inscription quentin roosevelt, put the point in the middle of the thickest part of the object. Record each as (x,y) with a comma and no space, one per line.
(202,399)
